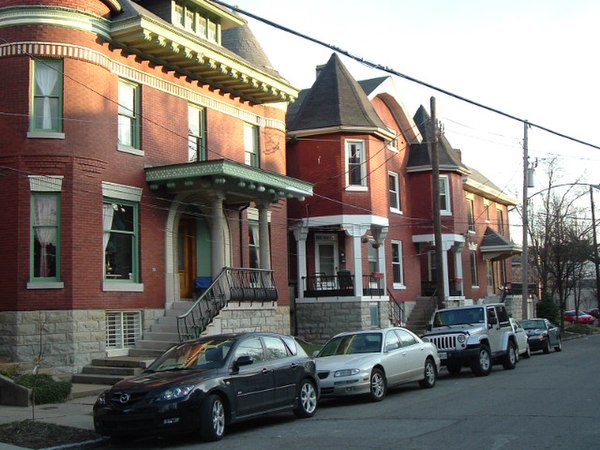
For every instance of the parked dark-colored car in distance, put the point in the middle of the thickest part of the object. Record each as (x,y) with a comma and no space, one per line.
(542,335)
(204,385)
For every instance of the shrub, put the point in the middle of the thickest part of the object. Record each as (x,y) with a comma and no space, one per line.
(547,309)
(580,328)
(46,389)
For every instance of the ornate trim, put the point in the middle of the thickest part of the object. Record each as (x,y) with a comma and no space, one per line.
(62,50)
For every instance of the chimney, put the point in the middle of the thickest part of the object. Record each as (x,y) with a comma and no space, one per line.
(458,154)
(319,68)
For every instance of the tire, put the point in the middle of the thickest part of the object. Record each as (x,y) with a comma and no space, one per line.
(212,418)
(378,385)
(307,400)
(453,369)
(482,365)
(509,361)
(558,347)
(527,354)
(429,376)
(546,348)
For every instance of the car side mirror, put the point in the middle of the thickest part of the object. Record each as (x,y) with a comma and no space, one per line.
(390,347)
(244,360)
(428,327)
(315,353)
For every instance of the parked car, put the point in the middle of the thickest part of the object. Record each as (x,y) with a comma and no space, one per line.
(206,384)
(542,334)
(579,317)
(594,312)
(521,335)
(369,362)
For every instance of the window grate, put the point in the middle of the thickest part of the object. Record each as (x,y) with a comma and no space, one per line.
(123,329)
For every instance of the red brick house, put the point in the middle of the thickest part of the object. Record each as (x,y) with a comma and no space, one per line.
(361,247)
(143,165)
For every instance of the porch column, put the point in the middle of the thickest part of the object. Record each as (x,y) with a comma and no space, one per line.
(446,245)
(458,267)
(217,221)
(379,234)
(356,232)
(263,235)
(301,233)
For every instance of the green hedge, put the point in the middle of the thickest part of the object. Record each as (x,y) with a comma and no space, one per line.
(45,388)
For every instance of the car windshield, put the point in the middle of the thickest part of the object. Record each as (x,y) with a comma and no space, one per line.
(458,317)
(351,344)
(533,324)
(208,353)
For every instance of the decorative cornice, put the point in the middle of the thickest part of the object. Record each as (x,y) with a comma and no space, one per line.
(61,50)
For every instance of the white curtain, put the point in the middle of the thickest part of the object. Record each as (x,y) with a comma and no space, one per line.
(46,78)
(255,241)
(109,213)
(45,214)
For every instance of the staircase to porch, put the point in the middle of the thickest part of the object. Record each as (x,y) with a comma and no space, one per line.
(421,314)
(185,320)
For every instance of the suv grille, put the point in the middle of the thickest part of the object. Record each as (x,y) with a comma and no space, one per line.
(447,342)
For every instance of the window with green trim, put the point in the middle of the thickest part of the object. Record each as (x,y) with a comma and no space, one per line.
(121,240)
(129,114)
(251,145)
(46,114)
(45,236)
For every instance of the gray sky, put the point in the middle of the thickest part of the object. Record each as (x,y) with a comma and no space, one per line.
(533,59)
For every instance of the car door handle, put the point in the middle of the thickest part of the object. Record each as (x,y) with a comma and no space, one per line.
(294,365)
(265,370)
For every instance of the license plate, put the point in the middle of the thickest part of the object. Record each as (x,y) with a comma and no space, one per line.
(443,355)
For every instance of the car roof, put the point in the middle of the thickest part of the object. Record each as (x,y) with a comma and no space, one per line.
(373,330)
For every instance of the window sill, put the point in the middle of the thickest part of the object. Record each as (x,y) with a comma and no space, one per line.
(396,211)
(445,213)
(130,150)
(116,286)
(45,285)
(357,188)
(399,286)
(45,135)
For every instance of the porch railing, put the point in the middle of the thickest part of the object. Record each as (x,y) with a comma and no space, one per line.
(232,284)
(342,285)
(428,288)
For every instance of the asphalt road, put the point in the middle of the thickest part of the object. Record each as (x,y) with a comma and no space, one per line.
(548,402)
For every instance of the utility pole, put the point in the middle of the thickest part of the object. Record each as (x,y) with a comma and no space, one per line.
(437,221)
(596,262)
(525,254)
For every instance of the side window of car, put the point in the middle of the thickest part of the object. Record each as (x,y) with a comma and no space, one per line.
(406,338)
(502,315)
(392,341)
(251,347)
(275,348)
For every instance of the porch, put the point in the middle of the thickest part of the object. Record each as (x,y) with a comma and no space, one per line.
(342,285)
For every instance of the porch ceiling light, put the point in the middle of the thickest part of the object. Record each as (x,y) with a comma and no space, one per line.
(260,188)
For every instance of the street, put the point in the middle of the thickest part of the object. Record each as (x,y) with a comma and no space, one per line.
(548,402)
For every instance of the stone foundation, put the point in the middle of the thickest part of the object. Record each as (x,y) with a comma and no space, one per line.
(245,317)
(319,320)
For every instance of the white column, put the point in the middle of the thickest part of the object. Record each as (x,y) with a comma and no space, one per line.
(458,267)
(357,262)
(301,233)
(217,221)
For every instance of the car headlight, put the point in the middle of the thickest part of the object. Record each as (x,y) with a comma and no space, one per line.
(425,339)
(461,338)
(174,393)
(101,400)
(346,372)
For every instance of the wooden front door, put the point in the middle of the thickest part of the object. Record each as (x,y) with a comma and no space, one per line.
(186,255)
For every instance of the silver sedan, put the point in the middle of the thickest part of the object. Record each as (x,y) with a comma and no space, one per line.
(369,362)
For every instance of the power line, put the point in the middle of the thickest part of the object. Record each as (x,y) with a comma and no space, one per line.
(405,76)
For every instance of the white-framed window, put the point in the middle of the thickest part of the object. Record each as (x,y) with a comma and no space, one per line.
(474,271)
(195,21)
(254,244)
(445,207)
(123,329)
(121,244)
(470,215)
(47,105)
(397,265)
(393,145)
(372,256)
(251,145)
(129,115)
(500,215)
(394,188)
(196,133)
(486,206)
(356,164)
(45,234)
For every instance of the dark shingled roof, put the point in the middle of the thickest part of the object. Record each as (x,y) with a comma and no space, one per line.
(420,154)
(334,100)
(242,42)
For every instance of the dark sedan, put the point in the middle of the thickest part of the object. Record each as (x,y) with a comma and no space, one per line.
(542,335)
(206,384)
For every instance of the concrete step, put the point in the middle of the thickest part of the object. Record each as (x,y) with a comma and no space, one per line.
(145,352)
(161,336)
(108,370)
(84,378)
(155,344)
(123,361)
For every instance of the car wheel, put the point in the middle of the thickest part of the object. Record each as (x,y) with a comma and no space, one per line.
(482,365)
(509,361)
(527,353)
(378,385)
(558,346)
(546,346)
(453,369)
(307,400)
(212,418)
(430,376)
